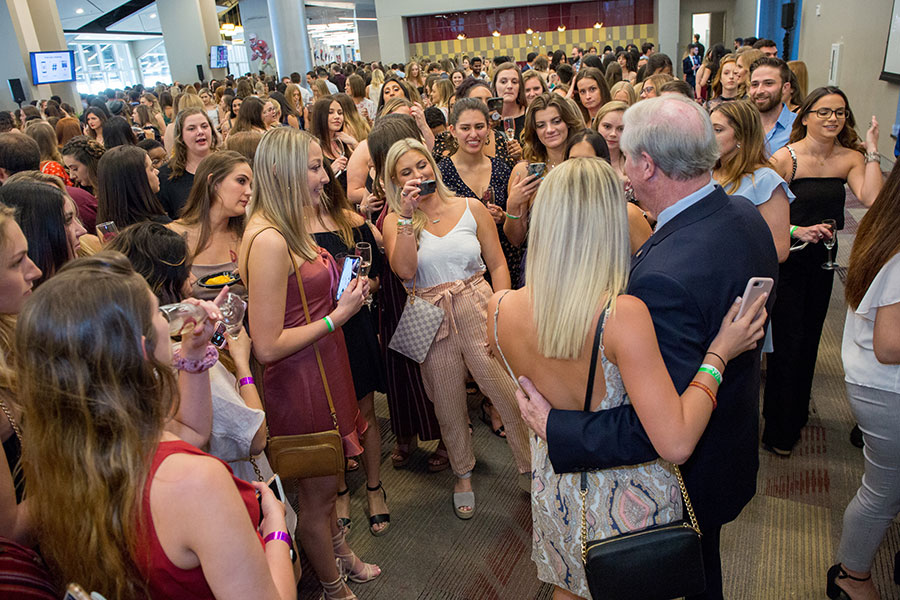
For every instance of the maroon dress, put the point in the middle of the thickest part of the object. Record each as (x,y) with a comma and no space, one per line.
(295,395)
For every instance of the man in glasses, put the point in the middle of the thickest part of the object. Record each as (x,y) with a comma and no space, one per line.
(769,78)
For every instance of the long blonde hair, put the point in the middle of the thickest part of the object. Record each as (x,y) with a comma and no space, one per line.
(95,401)
(392,190)
(578,253)
(280,190)
(743,116)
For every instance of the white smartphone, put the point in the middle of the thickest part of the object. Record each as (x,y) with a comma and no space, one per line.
(756,287)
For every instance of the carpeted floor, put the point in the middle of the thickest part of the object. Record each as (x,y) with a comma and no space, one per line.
(779,548)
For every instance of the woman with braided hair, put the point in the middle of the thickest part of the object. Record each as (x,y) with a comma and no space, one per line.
(81,156)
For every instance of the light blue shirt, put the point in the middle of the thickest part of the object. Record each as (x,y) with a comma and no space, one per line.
(685,203)
(780,135)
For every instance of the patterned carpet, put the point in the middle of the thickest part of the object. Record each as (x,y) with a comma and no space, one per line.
(779,548)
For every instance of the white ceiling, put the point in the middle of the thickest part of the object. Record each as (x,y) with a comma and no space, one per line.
(91,9)
(145,19)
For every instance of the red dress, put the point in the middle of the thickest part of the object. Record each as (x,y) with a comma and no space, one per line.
(295,396)
(165,579)
(51,167)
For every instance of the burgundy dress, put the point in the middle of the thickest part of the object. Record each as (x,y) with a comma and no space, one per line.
(295,395)
(165,579)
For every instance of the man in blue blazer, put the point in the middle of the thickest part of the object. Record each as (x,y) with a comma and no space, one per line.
(706,246)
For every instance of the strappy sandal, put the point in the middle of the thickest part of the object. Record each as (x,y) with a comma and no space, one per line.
(401,453)
(330,590)
(832,590)
(486,419)
(351,464)
(363,573)
(461,499)
(379,518)
(439,460)
(344,522)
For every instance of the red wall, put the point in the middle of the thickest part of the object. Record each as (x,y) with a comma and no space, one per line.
(546,17)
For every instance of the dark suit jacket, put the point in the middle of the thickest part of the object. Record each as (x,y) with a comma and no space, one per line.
(687,67)
(688,273)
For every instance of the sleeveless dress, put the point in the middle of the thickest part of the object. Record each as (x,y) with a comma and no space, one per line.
(802,295)
(359,332)
(618,500)
(201,271)
(295,395)
(500,174)
(164,578)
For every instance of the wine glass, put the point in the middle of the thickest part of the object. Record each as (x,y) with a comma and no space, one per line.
(829,243)
(509,127)
(233,308)
(364,252)
(107,231)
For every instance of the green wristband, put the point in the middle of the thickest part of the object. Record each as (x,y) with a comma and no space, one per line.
(513,217)
(712,371)
(793,229)
(328,323)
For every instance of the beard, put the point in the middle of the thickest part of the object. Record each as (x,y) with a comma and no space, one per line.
(767,105)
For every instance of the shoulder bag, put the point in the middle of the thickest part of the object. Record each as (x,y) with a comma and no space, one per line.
(308,454)
(657,563)
(417,327)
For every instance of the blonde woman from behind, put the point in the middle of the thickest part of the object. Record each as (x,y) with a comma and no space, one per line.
(577,274)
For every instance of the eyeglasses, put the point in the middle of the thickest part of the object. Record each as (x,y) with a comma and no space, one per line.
(825,113)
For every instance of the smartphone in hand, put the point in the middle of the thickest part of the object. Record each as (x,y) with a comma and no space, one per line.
(756,287)
(348,274)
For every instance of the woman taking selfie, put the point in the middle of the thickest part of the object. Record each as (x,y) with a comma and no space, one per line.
(434,242)
(294,320)
(179,514)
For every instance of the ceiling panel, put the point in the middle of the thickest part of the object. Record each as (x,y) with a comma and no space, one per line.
(146,19)
(90,10)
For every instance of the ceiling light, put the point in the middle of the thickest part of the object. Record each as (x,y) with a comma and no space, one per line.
(561,28)
(152,15)
(79,11)
(598,25)
(227,26)
(529,31)
(461,36)
(495,33)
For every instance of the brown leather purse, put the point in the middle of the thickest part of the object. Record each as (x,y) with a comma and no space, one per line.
(308,454)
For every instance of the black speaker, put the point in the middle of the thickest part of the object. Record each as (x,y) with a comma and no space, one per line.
(200,72)
(787,15)
(16,91)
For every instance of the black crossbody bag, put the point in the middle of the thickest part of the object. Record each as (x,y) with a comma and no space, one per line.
(657,563)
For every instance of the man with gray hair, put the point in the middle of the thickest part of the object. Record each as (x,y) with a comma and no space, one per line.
(705,248)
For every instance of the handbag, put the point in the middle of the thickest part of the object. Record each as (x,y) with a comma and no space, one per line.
(306,454)
(417,327)
(659,562)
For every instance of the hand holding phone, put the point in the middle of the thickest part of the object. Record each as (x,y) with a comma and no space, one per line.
(756,287)
(348,274)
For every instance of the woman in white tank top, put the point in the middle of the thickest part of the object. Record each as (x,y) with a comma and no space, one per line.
(440,245)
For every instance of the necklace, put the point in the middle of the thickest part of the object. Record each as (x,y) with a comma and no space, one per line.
(436,221)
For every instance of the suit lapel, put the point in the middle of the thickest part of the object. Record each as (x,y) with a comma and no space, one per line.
(713,202)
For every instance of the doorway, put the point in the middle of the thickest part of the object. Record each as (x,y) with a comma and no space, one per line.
(710,26)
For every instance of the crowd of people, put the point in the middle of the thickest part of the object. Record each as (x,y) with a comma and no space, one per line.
(614,211)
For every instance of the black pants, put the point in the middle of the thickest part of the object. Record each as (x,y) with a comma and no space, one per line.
(801,304)
(712,563)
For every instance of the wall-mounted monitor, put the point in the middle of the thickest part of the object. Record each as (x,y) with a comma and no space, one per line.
(52,67)
(218,57)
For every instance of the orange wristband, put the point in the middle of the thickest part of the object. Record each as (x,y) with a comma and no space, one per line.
(706,389)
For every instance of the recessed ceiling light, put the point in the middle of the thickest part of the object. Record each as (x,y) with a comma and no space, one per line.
(152,15)
(79,11)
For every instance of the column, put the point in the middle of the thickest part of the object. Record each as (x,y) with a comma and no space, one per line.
(32,26)
(667,14)
(189,28)
(258,36)
(290,37)
(369,48)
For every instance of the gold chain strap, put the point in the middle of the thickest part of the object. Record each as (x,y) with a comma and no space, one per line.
(256,470)
(687,503)
(12,421)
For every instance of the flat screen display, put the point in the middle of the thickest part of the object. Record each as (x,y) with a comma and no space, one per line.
(218,57)
(52,67)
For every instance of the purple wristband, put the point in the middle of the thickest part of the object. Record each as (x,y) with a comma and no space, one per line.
(246,381)
(278,535)
(195,366)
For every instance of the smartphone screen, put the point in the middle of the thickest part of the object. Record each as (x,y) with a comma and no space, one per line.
(275,485)
(348,274)
(218,338)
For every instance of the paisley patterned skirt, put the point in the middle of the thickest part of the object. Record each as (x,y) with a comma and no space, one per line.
(618,501)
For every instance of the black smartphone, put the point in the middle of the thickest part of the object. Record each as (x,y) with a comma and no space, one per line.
(427,187)
(348,274)
(495,104)
(218,338)
(536,168)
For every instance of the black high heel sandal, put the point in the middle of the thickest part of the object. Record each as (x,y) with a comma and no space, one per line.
(831,587)
(344,522)
(382,518)
(500,432)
